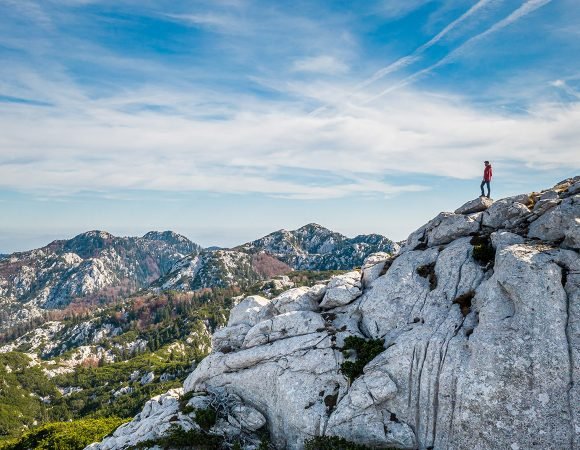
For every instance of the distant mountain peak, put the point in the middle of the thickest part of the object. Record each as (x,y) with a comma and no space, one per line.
(168,235)
(95,234)
(314,228)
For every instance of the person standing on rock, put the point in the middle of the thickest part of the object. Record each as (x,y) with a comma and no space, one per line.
(487,174)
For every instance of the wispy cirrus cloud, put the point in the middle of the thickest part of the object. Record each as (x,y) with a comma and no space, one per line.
(415,56)
(526,8)
(221,22)
(323,64)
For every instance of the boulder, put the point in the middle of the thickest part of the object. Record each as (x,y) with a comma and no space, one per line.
(293,323)
(550,194)
(443,229)
(229,338)
(246,417)
(560,223)
(453,226)
(359,415)
(543,206)
(246,311)
(500,239)
(297,299)
(342,289)
(505,214)
(291,381)
(147,378)
(157,416)
(475,205)
(574,188)
(372,267)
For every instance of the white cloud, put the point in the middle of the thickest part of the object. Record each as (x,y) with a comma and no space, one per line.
(209,20)
(393,9)
(324,64)
(97,145)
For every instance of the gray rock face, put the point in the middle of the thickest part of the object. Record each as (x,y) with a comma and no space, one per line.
(481,349)
(297,299)
(500,239)
(476,205)
(229,338)
(561,222)
(443,229)
(373,267)
(505,214)
(246,312)
(152,422)
(294,323)
(342,290)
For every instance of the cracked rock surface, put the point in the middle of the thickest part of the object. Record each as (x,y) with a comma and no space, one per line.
(480,318)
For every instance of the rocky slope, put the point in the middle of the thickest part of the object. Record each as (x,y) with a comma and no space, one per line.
(220,268)
(468,338)
(91,264)
(311,247)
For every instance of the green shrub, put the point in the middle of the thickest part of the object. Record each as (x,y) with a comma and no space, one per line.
(205,418)
(366,351)
(65,435)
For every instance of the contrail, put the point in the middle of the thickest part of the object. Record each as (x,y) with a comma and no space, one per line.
(523,10)
(414,56)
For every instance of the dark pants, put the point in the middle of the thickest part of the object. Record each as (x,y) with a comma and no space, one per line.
(483,183)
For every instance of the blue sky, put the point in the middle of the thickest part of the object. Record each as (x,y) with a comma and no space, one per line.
(227,119)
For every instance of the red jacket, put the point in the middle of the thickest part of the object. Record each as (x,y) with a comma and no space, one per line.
(487,173)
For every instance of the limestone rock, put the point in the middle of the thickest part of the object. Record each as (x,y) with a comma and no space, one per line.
(561,222)
(544,205)
(505,214)
(157,416)
(246,417)
(373,266)
(475,205)
(342,290)
(298,299)
(246,311)
(443,229)
(229,338)
(147,378)
(574,188)
(453,226)
(500,239)
(293,323)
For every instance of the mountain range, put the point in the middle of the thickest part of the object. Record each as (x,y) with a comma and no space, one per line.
(96,267)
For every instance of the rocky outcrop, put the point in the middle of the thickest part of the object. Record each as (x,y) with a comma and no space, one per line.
(479,319)
(473,206)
